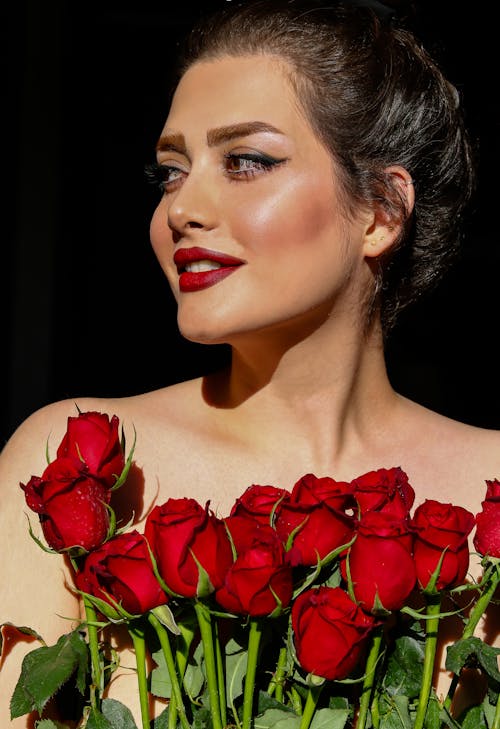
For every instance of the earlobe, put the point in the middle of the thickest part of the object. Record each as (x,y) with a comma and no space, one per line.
(388,221)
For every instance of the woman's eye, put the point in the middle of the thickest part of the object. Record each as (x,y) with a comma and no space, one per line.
(164,176)
(248,165)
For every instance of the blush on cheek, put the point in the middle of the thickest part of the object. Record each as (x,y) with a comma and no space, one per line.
(296,213)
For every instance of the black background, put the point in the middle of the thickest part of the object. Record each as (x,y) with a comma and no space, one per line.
(86,310)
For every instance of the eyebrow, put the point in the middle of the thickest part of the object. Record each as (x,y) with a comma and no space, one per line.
(175,142)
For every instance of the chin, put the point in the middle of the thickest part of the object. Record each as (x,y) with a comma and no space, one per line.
(202,332)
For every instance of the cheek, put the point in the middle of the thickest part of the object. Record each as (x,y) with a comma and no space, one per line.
(159,233)
(162,244)
(291,216)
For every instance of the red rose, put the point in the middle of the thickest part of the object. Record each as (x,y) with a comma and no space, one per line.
(260,578)
(487,536)
(384,490)
(122,569)
(437,527)
(260,502)
(72,505)
(319,511)
(184,536)
(330,632)
(380,561)
(93,439)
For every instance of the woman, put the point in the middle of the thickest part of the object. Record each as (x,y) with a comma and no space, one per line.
(314,171)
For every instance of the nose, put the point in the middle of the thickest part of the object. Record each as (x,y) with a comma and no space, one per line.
(192,206)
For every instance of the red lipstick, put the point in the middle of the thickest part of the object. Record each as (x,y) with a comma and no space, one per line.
(197,280)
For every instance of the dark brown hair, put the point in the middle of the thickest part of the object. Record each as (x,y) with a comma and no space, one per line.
(375,98)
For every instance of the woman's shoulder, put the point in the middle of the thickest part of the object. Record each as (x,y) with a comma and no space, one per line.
(169,408)
(457,456)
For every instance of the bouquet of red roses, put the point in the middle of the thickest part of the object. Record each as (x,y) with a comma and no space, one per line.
(314,607)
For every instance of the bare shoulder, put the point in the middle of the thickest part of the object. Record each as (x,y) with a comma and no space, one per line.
(27,447)
(457,457)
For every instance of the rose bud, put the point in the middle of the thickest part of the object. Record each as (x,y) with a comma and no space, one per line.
(260,503)
(381,565)
(121,569)
(439,527)
(384,490)
(330,632)
(93,439)
(320,514)
(260,580)
(72,505)
(188,541)
(487,536)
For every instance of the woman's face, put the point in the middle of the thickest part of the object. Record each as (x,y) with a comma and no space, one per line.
(250,230)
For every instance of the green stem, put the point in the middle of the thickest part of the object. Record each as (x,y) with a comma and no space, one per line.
(432,624)
(97,675)
(475,616)
(310,707)
(254,636)
(496,720)
(205,623)
(172,713)
(177,705)
(369,681)
(183,644)
(221,678)
(137,634)
(276,684)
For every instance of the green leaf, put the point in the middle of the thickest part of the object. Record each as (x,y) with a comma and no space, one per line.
(118,715)
(405,667)
(433,713)
(264,702)
(193,678)
(160,679)
(277,719)
(236,668)
(330,719)
(97,720)
(46,669)
(460,653)
(49,724)
(161,721)
(202,719)
(489,712)
(394,712)
(474,718)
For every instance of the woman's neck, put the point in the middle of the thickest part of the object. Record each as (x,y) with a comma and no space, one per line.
(328,387)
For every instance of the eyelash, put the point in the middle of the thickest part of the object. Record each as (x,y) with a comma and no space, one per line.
(158,174)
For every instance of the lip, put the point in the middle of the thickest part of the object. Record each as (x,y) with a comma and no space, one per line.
(204,279)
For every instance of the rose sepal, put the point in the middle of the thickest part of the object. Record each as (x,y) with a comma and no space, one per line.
(112,522)
(421,615)
(128,463)
(165,616)
(112,610)
(430,588)
(125,528)
(204,587)
(278,610)
(160,579)
(32,534)
(378,607)
(314,574)
(293,533)
(74,551)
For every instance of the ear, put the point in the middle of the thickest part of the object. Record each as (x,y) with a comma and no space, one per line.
(387,221)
